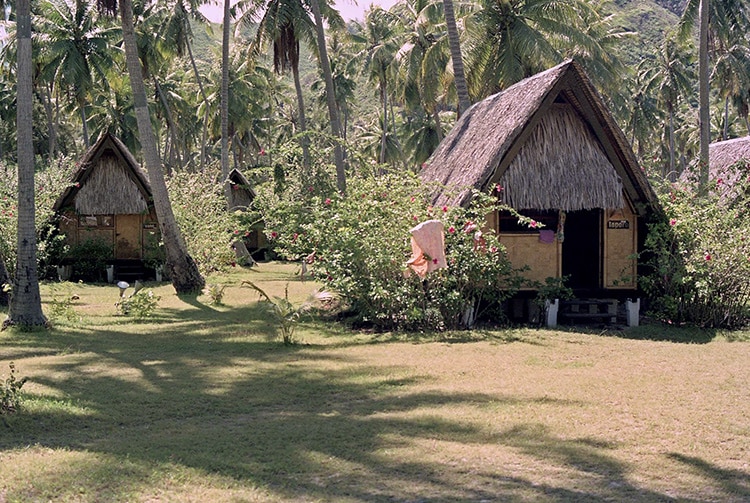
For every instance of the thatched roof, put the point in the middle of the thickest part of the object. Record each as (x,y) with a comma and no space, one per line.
(724,154)
(109,181)
(242,191)
(548,140)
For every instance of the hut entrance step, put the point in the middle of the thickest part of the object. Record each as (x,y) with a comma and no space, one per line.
(587,311)
(129,270)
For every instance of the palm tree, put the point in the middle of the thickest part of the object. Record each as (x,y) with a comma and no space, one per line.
(26,302)
(182,268)
(284,23)
(456,58)
(379,44)
(226,20)
(720,22)
(79,50)
(325,65)
(514,39)
(670,78)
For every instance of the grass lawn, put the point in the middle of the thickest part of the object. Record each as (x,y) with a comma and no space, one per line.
(202,403)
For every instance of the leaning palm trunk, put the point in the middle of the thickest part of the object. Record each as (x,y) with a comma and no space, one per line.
(325,65)
(26,302)
(459,78)
(182,268)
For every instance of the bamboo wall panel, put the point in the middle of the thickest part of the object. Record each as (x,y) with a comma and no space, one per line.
(543,259)
(620,246)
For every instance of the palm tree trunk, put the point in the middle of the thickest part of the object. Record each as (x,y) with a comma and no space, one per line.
(458,64)
(26,302)
(204,146)
(725,133)
(170,123)
(703,106)
(182,268)
(225,103)
(84,120)
(671,143)
(333,112)
(46,98)
(384,100)
(302,122)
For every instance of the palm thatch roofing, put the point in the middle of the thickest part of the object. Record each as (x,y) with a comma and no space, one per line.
(724,154)
(550,143)
(243,193)
(108,181)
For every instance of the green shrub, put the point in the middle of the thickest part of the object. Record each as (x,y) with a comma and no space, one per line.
(141,304)
(10,393)
(89,259)
(207,227)
(698,256)
(358,246)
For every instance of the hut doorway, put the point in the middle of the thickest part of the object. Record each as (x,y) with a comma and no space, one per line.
(128,237)
(581,252)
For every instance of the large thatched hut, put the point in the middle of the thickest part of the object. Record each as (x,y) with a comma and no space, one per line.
(549,148)
(109,201)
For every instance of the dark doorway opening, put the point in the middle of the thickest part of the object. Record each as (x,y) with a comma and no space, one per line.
(581,252)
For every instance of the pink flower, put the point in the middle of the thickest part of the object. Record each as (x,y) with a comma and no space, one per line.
(294,237)
(673,222)
(498,187)
(328,201)
(719,181)
(434,261)
(274,234)
(533,224)
(707,257)
(236,231)
(310,189)
(445,209)
(234,264)
(493,249)
(424,165)
(469,227)
(415,218)
(78,184)
(452,229)
(262,151)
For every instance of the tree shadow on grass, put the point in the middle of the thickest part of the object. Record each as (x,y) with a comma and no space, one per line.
(199,393)
(734,484)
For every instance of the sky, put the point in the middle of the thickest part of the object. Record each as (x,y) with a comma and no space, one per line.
(349,9)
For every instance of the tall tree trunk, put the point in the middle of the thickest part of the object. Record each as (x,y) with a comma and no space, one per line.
(46,98)
(671,143)
(26,301)
(182,268)
(302,121)
(383,139)
(459,78)
(703,110)
(204,146)
(333,112)
(225,104)
(84,120)
(725,132)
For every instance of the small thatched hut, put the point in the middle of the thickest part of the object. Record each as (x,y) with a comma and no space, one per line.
(550,149)
(109,199)
(242,191)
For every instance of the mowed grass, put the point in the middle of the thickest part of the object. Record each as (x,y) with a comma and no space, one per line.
(203,403)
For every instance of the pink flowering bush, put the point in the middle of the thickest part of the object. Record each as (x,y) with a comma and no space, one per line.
(697,257)
(358,246)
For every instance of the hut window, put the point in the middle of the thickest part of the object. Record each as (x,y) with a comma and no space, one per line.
(509,223)
(96,221)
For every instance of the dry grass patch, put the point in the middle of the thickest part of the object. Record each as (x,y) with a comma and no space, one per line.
(202,403)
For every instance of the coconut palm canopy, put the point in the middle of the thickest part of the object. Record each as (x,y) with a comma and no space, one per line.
(550,143)
(109,181)
(724,154)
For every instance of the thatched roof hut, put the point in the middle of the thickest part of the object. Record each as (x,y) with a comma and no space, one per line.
(242,194)
(108,181)
(109,204)
(723,155)
(552,146)
(548,140)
